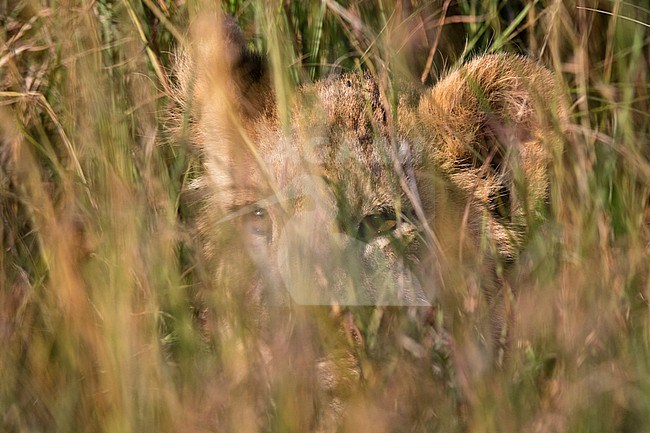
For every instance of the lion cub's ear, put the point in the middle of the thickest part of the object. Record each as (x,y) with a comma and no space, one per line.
(217,73)
(492,134)
(492,120)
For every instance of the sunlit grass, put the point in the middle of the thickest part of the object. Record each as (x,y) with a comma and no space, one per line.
(102,319)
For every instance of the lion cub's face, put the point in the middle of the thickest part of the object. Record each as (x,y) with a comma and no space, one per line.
(321,204)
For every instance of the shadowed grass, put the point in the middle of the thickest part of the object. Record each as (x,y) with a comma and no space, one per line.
(100,274)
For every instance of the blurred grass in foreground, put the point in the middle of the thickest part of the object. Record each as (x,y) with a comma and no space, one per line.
(97,315)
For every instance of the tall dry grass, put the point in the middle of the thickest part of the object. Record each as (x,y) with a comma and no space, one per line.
(99,324)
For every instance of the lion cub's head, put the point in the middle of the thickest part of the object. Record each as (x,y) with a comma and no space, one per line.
(337,198)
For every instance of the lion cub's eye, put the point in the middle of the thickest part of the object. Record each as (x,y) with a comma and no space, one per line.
(376,225)
(257,222)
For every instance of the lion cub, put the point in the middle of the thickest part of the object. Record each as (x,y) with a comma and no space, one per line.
(337,198)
